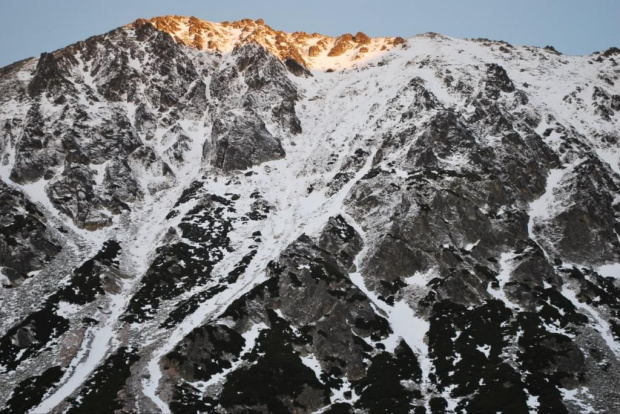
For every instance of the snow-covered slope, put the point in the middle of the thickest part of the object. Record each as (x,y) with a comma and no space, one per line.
(220,217)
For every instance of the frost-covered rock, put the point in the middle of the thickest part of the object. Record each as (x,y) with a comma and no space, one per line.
(221,217)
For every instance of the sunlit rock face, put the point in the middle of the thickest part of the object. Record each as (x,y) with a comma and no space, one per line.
(222,217)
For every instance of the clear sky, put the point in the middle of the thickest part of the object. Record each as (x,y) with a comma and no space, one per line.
(29,27)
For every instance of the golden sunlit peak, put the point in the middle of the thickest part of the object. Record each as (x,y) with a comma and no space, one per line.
(311,50)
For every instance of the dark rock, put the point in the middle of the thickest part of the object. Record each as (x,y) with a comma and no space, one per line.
(278,381)
(26,244)
(551,49)
(49,78)
(245,143)
(30,392)
(296,68)
(611,52)
(585,230)
(120,186)
(101,390)
(35,151)
(497,80)
(206,351)
(73,193)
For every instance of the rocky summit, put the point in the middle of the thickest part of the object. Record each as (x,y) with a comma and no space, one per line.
(226,218)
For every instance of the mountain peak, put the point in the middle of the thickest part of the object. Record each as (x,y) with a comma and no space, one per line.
(314,50)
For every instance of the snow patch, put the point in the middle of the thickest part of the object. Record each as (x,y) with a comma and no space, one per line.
(66,309)
(311,362)
(406,325)
(603,326)
(470,246)
(610,270)
(421,279)
(485,349)
(541,209)
(506,265)
(579,397)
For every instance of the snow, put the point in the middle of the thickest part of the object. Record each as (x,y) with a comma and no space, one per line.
(555,327)
(150,384)
(579,397)
(470,246)
(506,265)
(97,344)
(311,362)
(421,279)
(541,209)
(99,171)
(610,270)
(611,157)
(20,353)
(601,324)
(37,194)
(66,309)
(532,403)
(338,395)
(402,318)
(485,349)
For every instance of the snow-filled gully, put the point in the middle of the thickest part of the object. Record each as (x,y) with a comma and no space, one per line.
(402,318)
(138,240)
(94,349)
(101,341)
(542,209)
(294,216)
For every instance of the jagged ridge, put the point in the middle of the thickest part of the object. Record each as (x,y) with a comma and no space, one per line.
(311,50)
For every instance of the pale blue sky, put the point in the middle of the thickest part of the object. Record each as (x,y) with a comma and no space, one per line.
(29,27)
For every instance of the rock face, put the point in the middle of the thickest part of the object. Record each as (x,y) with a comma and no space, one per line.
(26,242)
(221,217)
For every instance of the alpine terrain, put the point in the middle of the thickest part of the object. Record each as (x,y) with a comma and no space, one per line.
(226,218)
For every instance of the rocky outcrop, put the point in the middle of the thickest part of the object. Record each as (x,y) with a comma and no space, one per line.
(35,152)
(299,47)
(245,143)
(308,307)
(585,229)
(74,194)
(26,243)
(51,79)
(241,140)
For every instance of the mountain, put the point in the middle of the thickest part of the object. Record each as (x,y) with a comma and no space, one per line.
(221,217)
